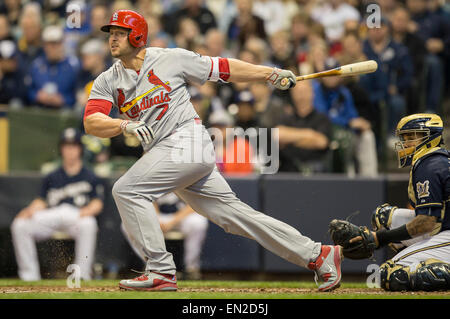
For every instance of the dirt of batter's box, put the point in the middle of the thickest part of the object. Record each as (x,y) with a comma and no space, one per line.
(343,291)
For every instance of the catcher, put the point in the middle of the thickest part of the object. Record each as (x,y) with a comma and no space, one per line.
(421,237)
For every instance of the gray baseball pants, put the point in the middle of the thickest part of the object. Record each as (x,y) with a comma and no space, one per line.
(184,163)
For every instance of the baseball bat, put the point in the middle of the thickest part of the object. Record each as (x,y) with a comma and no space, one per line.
(344,70)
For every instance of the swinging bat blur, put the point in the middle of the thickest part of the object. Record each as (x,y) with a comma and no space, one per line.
(344,70)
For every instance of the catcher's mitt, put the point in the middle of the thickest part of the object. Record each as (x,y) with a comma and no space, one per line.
(342,231)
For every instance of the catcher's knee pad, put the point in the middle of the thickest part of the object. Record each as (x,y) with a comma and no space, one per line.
(394,277)
(431,275)
(382,217)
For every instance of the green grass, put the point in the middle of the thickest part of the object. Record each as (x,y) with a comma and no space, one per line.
(15,289)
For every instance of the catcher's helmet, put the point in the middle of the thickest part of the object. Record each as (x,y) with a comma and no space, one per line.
(132,21)
(424,132)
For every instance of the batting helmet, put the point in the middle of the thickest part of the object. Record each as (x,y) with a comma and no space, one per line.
(132,21)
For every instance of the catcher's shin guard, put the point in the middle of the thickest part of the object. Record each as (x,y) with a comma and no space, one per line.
(394,277)
(431,275)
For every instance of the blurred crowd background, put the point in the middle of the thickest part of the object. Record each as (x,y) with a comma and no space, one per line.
(334,125)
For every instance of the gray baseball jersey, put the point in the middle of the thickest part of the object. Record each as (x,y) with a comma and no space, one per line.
(158,94)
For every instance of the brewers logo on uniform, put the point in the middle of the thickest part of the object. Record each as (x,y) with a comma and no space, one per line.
(423,189)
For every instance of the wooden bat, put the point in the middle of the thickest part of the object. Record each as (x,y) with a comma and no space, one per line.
(344,70)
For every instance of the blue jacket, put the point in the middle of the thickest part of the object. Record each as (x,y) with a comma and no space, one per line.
(337,104)
(62,74)
(394,67)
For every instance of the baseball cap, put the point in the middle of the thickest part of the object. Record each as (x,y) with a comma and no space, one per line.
(70,135)
(53,33)
(331,63)
(245,97)
(93,46)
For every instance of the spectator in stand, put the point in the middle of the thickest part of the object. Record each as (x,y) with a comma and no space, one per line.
(29,44)
(12,10)
(99,16)
(300,30)
(246,113)
(54,75)
(156,35)
(215,42)
(269,107)
(282,53)
(333,14)
(205,100)
(121,5)
(442,10)
(196,11)
(224,11)
(387,7)
(53,11)
(392,80)
(228,92)
(245,24)
(304,134)
(259,48)
(434,29)
(149,7)
(335,100)
(400,21)
(93,62)
(315,59)
(188,34)
(75,34)
(273,13)
(352,53)
(9,76)
(234,153)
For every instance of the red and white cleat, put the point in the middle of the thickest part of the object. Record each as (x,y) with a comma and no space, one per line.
(150,281)
(328,267)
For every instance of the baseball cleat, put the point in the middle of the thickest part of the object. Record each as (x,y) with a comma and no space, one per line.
(328,267)
(150,281)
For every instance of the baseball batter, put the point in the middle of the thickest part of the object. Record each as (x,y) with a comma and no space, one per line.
(149,87)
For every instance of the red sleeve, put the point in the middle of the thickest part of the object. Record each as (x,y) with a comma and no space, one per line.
(97,105)
(224,69)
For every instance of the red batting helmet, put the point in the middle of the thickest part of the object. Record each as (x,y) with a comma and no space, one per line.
(134,22)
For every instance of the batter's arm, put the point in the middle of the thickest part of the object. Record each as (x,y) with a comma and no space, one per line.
(102,125)
(241,71)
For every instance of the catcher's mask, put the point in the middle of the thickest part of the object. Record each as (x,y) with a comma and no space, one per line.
(417,134)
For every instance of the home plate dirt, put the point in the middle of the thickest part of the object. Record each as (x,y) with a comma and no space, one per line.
(343,291)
